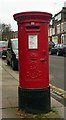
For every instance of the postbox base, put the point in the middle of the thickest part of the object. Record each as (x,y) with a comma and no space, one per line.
(34,100)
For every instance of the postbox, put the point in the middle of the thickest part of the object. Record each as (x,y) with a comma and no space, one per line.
(33,89)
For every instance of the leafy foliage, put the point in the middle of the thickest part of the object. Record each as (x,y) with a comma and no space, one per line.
(6,32)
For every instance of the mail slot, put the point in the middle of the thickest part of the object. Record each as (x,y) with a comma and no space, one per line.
(33,89)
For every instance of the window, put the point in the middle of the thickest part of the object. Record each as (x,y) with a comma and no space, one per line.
(64,26)
(58,28)
(15,44)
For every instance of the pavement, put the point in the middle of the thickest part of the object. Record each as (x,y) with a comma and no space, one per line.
(9,81)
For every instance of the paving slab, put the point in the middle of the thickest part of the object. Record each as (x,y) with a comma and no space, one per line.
(0,114)
(5,103)
(10,113)
(9,91)
(59,107)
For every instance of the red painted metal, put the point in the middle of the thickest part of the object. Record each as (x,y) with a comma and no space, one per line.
(33,57)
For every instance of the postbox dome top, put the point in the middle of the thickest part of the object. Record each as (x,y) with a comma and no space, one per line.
(32,15)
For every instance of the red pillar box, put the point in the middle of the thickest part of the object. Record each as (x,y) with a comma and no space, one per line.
(34,89)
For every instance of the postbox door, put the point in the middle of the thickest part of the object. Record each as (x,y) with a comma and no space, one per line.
(34,63)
